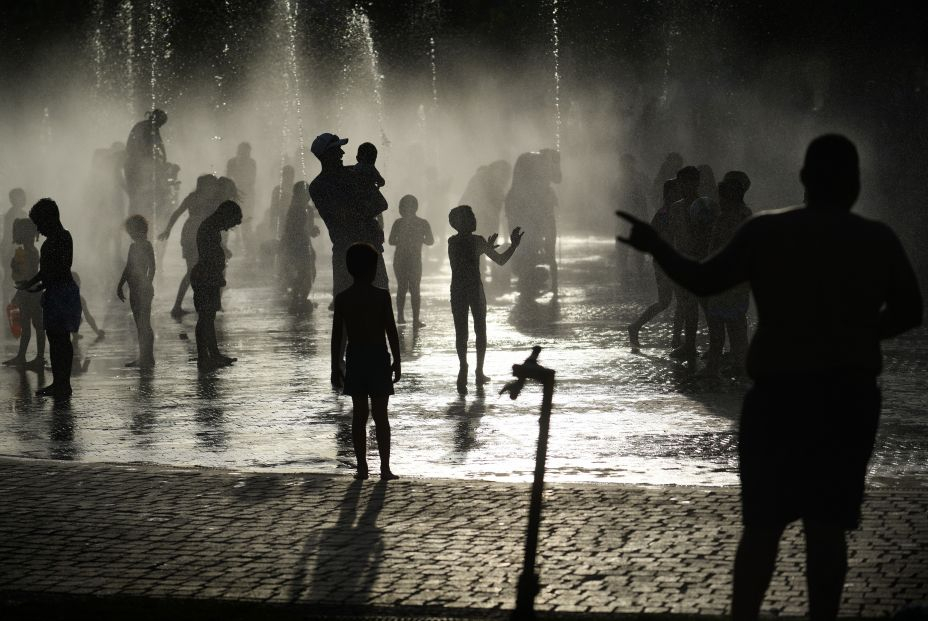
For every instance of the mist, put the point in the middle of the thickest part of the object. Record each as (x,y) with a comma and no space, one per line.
(440,97)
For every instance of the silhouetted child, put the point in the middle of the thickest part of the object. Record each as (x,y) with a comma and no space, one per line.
(80,364)
(365,313)
(727,312)
(297,257)
(207,278)
(16,211)
(366,166)
(25,265)
(408,234)
(464,252)
(661,224)
(61,300)
(139,274)
(85,312)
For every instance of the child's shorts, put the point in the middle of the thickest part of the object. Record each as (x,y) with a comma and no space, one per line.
(368,371)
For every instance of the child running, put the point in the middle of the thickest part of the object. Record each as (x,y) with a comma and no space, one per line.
(408,234)
(464,251)
(25,265)
(365,313)
(139,274)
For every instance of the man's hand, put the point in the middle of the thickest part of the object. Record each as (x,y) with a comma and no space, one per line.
(164,236)
(337,379)
(396,371)
(120,294)
(515,238)
(641,236)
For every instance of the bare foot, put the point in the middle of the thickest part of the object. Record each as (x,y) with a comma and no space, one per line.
(388,476)
(482,379)
(361,475)
(462,381)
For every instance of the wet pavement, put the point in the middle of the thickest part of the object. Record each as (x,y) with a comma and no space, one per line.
(172,538)
(618,417)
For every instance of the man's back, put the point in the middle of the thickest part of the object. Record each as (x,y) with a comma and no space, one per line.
(820,279)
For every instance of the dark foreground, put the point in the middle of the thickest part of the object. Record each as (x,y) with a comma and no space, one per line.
(120,541)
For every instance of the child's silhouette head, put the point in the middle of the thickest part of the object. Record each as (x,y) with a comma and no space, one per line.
(137,227)
(229,214)
(18,198)
(226,189)
(361,260)
(45,215)
(462,219)
(24,231)
(367,153)
(287,175)
(688,180)
(409,205)
(205,183)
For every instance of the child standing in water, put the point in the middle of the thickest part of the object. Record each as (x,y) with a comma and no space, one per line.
(464,251)
(139,274)
(61,300)
(297,257)
(408,234)
(365,313)
(25,265)
(207,278)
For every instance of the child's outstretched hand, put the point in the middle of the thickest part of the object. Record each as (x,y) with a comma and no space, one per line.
(515,238)
(396,371)
(491,240)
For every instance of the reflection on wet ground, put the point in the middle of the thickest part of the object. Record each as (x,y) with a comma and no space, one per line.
(618,416)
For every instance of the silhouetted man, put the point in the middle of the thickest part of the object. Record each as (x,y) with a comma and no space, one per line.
(349,206)
(145,165)
(829,285)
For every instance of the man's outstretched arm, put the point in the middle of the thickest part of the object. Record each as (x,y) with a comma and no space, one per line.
(718,273)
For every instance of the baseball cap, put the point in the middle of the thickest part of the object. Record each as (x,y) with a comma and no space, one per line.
(324,142)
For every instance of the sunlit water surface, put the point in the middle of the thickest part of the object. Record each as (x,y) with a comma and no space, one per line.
(618,416)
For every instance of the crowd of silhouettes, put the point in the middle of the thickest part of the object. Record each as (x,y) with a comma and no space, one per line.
(828,286)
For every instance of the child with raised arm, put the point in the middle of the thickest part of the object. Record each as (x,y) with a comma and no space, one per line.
(365,313)
(139,274)
(25,265)
(408,234)
(464,251)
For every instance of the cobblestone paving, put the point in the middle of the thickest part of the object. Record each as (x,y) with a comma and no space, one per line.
(151,531)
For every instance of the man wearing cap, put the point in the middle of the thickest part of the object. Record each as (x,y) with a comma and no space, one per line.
(349,207)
